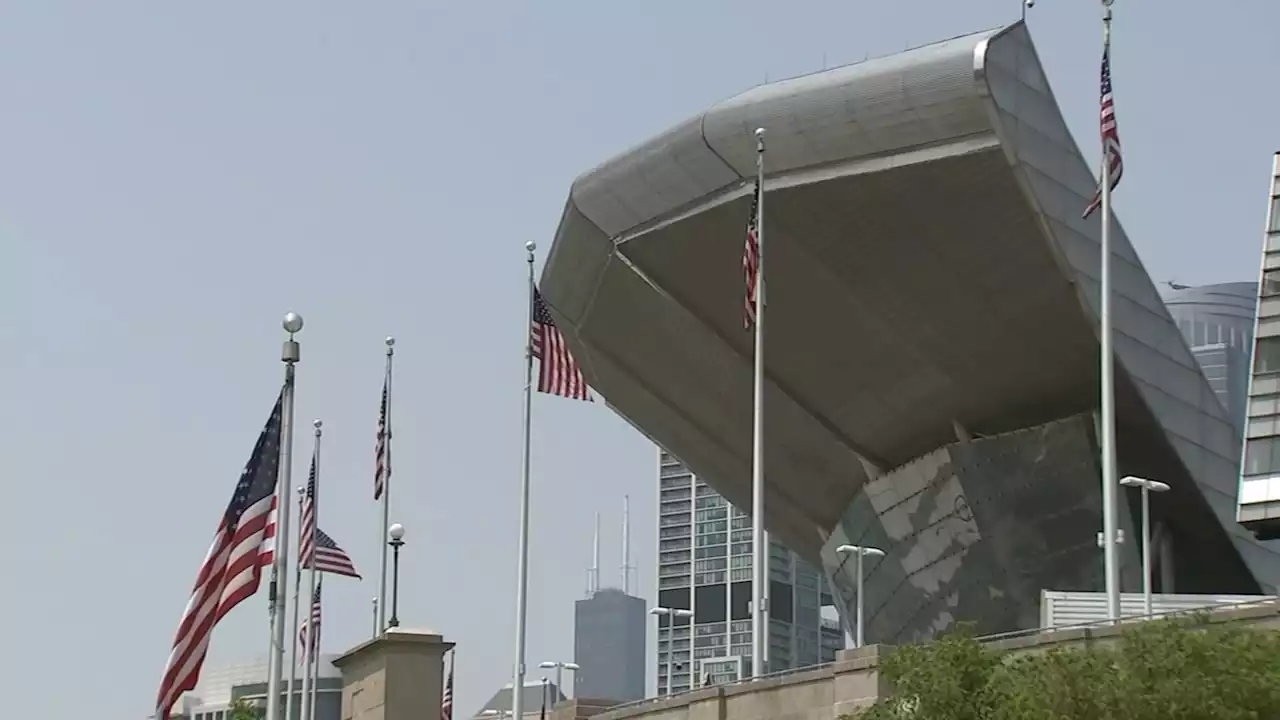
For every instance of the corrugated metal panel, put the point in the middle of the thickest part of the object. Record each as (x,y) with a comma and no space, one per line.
(1060,609)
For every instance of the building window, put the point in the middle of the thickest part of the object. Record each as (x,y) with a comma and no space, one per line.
(1262,456)
(1271,283)
(1267,359)
(1264,405)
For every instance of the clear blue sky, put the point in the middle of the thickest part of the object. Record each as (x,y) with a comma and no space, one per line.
(176,176)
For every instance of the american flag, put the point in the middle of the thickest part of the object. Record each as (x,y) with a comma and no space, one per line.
(751,261)
(308,624)
(306,529)
(1110,133)
(267,553)
(382,457)
(558,372)
(330,558)
(446,701)
(231,570)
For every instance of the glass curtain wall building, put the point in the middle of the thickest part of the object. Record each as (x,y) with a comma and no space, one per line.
(704,565)
(1217,322)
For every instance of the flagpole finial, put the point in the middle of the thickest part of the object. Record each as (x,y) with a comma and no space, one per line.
(759,139)
(317,424)
(390,341)
(292,324)
(301,491)
(529,247)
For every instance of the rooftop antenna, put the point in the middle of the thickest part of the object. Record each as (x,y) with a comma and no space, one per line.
(626,544)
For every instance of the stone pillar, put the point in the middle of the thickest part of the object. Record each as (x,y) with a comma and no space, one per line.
(398,676)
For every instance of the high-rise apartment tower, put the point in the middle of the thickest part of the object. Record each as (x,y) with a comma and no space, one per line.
(704,565)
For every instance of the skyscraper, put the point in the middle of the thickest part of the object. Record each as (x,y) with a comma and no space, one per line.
(704,565)
(608,646)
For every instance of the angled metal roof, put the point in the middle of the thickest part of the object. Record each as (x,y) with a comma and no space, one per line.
(927,268)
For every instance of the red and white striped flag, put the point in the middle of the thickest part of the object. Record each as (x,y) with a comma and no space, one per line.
(558,371)
(382,458)
(307,526)
(330,558)
(1110,133)
(314,622)
(446,700)
(751,261)
(232,569)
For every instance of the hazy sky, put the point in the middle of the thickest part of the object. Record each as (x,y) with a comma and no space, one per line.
(176,176)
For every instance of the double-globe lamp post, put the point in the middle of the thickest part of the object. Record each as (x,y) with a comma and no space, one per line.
(859,551)
(396,541)
(560,667)
(671,614)
(1148,487)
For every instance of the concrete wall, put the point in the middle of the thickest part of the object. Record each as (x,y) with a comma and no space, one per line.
(853,682)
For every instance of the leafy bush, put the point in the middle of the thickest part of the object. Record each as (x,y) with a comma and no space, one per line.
(1163,670)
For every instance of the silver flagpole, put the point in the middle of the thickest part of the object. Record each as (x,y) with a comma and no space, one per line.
(386,489)
(376,624)
(289,354)
(522,563)
(311,648)
(315,669)
(759,553)
(768,598)
(293,647)
(1109,493)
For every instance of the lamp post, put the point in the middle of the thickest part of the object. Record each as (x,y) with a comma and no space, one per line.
(859,551)
(560,667)
(396,533)
(1148,487)
(671,614)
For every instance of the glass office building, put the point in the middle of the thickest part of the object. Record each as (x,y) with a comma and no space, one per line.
(1217,322)
(704,565)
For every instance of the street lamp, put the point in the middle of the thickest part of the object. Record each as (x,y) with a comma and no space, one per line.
(672,614)
(859,551)
(1148,487)
(396,533)
(560,667)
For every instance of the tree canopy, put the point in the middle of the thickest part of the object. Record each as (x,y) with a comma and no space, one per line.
(242,709)
(1159,670)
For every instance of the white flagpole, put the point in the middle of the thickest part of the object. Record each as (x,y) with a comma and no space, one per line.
(293,647)
(1110,550)
(522,563)
(386,490)
(289,354)
(310,649)
(315,654)
(759,553)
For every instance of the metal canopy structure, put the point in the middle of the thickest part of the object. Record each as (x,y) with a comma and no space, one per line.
(930,276)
